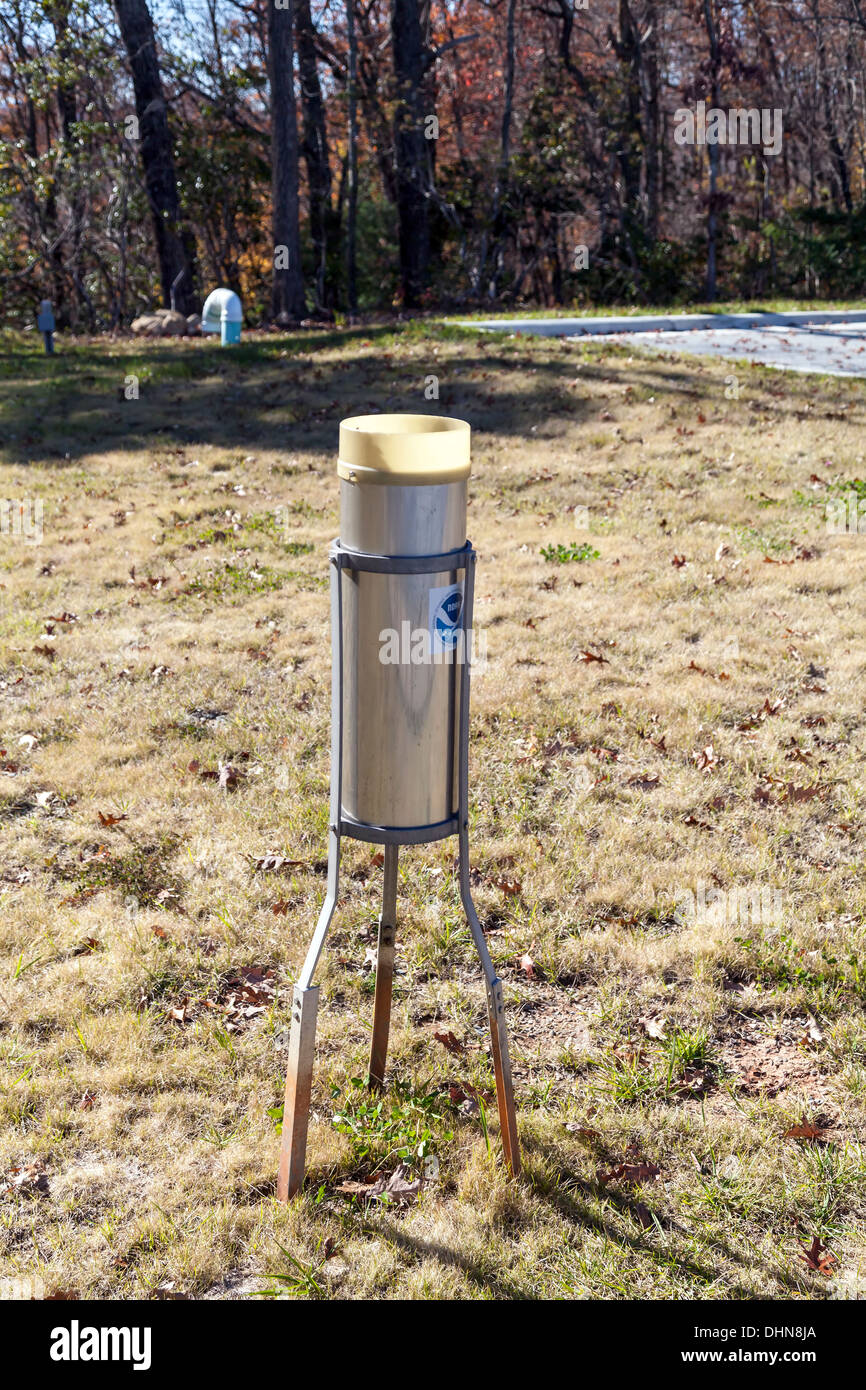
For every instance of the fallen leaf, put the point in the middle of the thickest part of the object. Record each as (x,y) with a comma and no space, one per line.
(583,1131)
(805,1131)
(793,793)
(398,1188)
(654,1027)
(645,781)
(30,1181)
(274,863)
(706,760)
(449,1041)
(818,1257)
(629,1173)
(512,887)
(85,947)
(229,776)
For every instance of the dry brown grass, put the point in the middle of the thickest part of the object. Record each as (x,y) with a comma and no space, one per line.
(139,1061)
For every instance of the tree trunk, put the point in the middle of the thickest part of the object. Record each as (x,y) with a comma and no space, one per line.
(316,157)
(502,176)
(175,246)
(627,46)
(287,294)
(352,165)
(714,153)
(841,177)
(410,152)
(652,118)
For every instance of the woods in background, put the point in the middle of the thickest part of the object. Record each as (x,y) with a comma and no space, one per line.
(324,156)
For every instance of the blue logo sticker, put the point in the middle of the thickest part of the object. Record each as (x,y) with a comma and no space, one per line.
(445,619)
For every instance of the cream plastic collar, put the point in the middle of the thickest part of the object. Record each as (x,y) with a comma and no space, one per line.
(404,449)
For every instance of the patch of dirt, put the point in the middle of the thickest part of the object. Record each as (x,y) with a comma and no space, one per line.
(551,1021)
(768,1065)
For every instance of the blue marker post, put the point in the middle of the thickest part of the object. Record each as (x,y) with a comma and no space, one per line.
(46,325)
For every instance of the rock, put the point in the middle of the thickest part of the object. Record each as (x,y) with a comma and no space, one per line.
(193,323)
(174,325)
(147,326)
(163,323)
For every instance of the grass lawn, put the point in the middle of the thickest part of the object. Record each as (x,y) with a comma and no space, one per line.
(668,748)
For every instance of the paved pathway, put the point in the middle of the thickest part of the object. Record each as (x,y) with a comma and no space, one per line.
(827,341)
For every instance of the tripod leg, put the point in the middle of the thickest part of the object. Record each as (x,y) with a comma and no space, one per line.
(502,1072)
(384,970)
(305,1002)
(495,1007)
(299,1085)
(498,1030)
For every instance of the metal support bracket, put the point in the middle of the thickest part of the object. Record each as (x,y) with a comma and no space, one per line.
(384,970)
(302,1040)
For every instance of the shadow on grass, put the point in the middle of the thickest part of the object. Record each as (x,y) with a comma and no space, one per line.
(288,392)
(582,1206)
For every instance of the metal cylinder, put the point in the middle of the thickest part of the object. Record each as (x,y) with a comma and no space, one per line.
(403,492)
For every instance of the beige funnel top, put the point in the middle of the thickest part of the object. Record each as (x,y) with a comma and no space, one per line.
(403,449)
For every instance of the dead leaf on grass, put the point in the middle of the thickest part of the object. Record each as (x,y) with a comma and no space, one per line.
(399,1188)
(630,1173)
(229,777)
(274,863)
(512,887)
(654,1027)
(806,1130)
(818,1257)
(31,1181)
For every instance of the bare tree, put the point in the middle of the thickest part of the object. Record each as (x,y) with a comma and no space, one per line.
(352,164)
(411,155)
(711,19)
(287,294)
(314,144)
(174,244)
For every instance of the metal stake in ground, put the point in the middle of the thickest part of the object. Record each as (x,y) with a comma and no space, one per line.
(402,585)
(46,325)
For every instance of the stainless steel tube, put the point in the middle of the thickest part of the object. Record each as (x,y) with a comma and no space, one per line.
(400,697)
